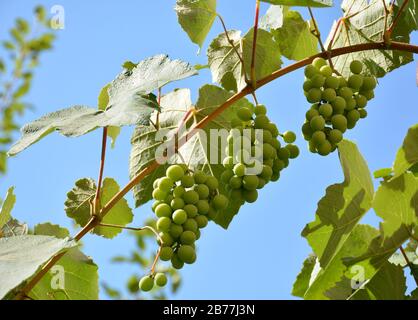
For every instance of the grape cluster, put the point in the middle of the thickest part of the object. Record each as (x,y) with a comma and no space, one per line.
(337,103)
(275,157)
(147,282)
(184,203)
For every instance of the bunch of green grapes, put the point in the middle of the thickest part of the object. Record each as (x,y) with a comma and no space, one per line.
(184,203)
(264,136)
(147,282)
(337,103)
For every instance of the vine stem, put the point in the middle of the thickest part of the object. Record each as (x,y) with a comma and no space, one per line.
(96,201)
(408,262)
(236,97)
(253,74)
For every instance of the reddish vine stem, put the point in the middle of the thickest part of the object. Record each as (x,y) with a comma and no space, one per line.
(253,74)
(96,201)
(408,262)
(236,97)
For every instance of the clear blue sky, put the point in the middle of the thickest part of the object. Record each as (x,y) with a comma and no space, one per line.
(262,252)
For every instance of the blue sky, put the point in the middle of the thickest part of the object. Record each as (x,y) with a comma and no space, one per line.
(261,253)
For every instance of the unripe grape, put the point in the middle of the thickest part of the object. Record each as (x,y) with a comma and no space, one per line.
(369,83)
(146,283)
(317,123)
(268,151)
(267,136)
(339,122)
(324,148)
(201,221)
(363,113)
(310,71)
(202,190)
(163,210)
(244,114)
(200,177)
(275,144)
(155,183)
(338,105)
(260,109)
(273,129)
(226,175)
(343,82)
(278,165)
(191,197)
(187,181)
(311,113)
(163,224)
(345,92)
(220,202)
(332,82)
(235,182)
(160,279)
(319,62)
(294,151)
(314,95)
(250,196)
(202,206)
(186,254)
(350,104)
(326,71)
(176,230)
(335,136)
(235,122)
(329,94)
(166,253)
(289,136)
(197,233)
(317,81)
(179,216)
(275,177)
(267,172)
(190,225)
(318,138)
(325,110)
(191,210)
(361,101)
(228,162)
(187,237)
(369,94)
(283,154)
(159,194)
(307,130)
(133,284)
(175,172)
(239,169)
(167,239)
(262,122)
(307,85)
(178,191)
(355,81)
(262,183)
(250,182)
(165,184)
(176,262)
(212,183)
(312,146)
(177,203)
(356,66)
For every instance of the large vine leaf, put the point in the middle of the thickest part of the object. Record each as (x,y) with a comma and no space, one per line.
(407,155)
(303,279)
(196,17)
(343,205)
(77,206)
(302,3)
(130,102)
(74,276)
(22,256)
(364,22)
(102,103)
(7,207)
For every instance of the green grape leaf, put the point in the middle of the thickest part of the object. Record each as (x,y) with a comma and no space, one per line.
(364,22)
(22,256)
(302,3)
(103,102)
(343,205)
(303,279)
(130,103)
(3,162)
(411,251)
(13,228)
(77,206)
(411,13)
(407,155)
(292,33)
(382,173)
(7,207)
(54,230)
(196,17)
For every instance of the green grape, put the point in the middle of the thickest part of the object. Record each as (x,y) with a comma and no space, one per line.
(159,194)
(250,182)
(160,279)
(191,197)
(260,109)
(132,284)
(163,210)
(317,123)
(361,101)
(166,253)
(235,182)
(353,116)
(278,165)
(307,85)
(202,206)
(190,225)
(318,138)
(345,92)
(200,177)
(356,66)
(169,199)
(369,83)
(267,136)
(261,183)
(307,130)
(283,154)
(326,71)
(212,183)
(239,169)
(343,82)
(294,151)
(312,146)
(317,81)
(268,163)
(273,129)
(146,283)
(155,183)
(319,62)
(275,144)
(244,114)
(163,224)
(329,94)
(289,136)
(369,94)
(236,122)
(350,104)
(275,177)
(178,191)
(156,204)
(355,82)
(220,202)
(338,105)
(314,95)
(187,254)
(267,172)
(325,110)
(268,151)
(339,122)
(191,210)
(187,181)
(176,262)
(324,148)
(175,172)
(187,237)
(176,230)
(177,203)
(226,176)
(167,239)
(363,113)
(197,233)
(250,196)
(262,122)
(179,216)
(311,113)
(165,184)
(201,221)
(202,190)
(310,71)
(335,136)
(332,82)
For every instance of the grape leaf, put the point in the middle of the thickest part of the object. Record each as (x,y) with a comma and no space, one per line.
(77,206)
(22,256)
(13,228)
(7,207)
(302,3)
(411,251)
(273,19)
(130,102)
(407,155)
(49,229)
(103,102)
(364,22)
(196,17)
(342,207)
(303,279)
